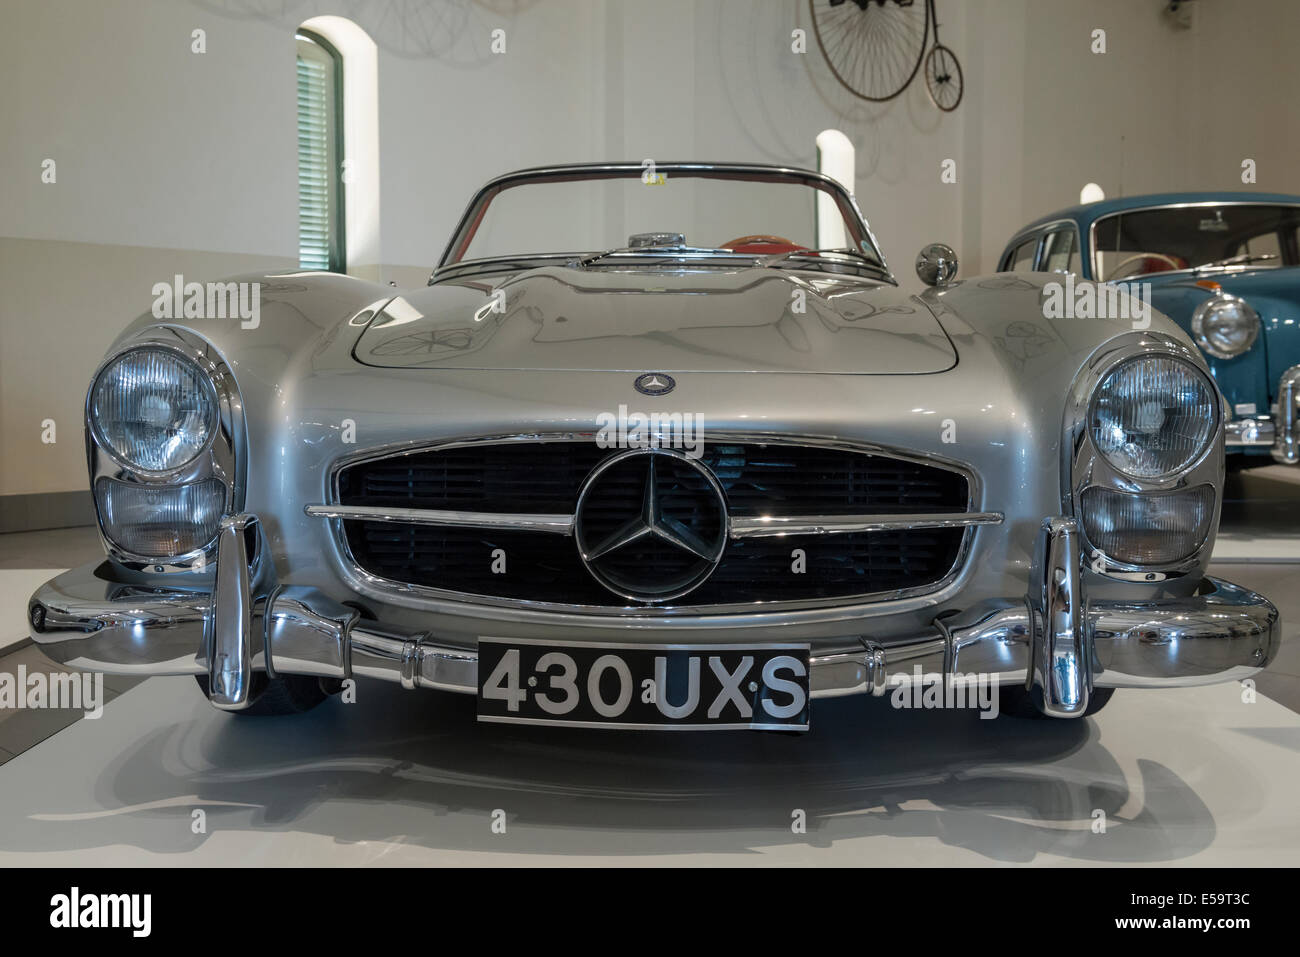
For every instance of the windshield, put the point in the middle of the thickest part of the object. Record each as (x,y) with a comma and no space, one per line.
(607,215)
(1187,237)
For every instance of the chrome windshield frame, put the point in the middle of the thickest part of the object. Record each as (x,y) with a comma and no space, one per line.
(451,262)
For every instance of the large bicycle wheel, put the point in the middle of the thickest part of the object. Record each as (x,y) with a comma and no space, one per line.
(943,79)
(874,47)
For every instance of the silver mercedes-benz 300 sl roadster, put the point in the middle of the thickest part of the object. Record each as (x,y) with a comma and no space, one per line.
(658,446)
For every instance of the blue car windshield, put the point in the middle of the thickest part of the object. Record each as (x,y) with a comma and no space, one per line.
(1225,235)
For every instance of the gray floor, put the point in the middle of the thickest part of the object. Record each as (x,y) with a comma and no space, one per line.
(1263,503)
(53,548)
(1194,776)
(21,555)
(24,728)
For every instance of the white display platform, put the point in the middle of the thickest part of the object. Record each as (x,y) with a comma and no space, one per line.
(1190,776)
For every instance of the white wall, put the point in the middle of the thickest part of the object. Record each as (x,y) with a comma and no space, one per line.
(756,100)
(1161,110)
(1241,67)
(155,146)
(170,161)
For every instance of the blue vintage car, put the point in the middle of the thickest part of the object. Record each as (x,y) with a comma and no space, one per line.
(1225,267)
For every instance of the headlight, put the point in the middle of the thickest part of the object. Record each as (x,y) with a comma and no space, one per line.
(1225,326)
(1153,416)
(160,521)
(153,409)
(1151,528)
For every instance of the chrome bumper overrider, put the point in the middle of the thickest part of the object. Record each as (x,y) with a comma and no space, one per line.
(1055,641)
(1278,432)
(1286,444)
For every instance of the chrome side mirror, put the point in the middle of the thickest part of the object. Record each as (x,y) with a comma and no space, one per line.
(936,264)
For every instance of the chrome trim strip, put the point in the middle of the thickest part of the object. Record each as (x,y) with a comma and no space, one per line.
(766,526)
(527,521)
(769,526)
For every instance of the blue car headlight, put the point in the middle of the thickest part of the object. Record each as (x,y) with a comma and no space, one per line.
(1225,326)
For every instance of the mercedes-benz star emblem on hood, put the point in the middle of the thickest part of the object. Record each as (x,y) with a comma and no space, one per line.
(655,383)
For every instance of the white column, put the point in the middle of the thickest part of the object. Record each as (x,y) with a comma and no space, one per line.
(835,158)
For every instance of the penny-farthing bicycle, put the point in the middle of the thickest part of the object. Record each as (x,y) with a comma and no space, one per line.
(876,47)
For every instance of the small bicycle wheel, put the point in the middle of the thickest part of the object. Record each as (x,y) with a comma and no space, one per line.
(874,47)
(943,79)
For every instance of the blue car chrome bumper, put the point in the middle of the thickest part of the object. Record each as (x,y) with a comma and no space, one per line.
(1278,432)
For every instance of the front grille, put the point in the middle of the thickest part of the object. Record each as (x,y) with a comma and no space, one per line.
(758,479)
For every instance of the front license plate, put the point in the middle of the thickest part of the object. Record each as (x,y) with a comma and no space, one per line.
(712,687)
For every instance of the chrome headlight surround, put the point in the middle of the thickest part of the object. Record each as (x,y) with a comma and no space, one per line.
(103,387)
(1084,466)
(221,458)
(1210,323)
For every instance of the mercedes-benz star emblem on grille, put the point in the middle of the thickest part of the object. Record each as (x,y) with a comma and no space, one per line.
(655,383)
(651,524)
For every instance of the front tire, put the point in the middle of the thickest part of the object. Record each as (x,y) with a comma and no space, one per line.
(288,694)
(1016,701)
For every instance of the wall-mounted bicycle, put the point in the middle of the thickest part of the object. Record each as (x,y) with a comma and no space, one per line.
(876,47)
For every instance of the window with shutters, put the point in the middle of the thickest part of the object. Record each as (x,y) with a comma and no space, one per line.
(320,152)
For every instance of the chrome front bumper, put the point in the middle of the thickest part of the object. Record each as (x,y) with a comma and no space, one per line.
(1278,432)
(1053,640)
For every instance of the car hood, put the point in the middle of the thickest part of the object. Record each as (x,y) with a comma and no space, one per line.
(598,319)
(1279,281)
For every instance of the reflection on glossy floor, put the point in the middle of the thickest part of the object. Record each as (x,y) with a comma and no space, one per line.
(1190,776)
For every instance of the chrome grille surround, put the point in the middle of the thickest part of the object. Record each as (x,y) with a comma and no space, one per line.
(422,596)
